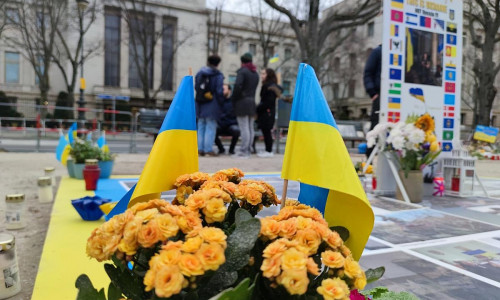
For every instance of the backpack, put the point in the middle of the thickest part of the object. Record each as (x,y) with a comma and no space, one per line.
(203,92)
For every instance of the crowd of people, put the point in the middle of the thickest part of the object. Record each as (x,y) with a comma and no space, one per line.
(225,111)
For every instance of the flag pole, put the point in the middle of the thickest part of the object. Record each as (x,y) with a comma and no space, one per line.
(190,71)
(283,196)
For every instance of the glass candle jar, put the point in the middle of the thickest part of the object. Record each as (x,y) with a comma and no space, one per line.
(51,172)
(14,211)
(91,173)
(45,190)
(10,284)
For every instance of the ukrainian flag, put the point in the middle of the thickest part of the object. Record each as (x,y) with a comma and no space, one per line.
(316,156)
(72,132)
(274,59)
(409,49)
(175,151)
(63,148)
(101,142)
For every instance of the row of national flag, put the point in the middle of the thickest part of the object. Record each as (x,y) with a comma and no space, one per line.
(315,155)
(67,141)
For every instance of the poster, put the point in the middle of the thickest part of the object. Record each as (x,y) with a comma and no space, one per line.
(421,64)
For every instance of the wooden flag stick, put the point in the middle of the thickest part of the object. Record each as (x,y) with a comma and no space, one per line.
(283,196)
(190,71)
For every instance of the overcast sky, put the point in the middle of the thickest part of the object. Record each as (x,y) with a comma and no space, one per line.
(242,6)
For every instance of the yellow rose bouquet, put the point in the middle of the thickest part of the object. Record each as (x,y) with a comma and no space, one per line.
(208,244)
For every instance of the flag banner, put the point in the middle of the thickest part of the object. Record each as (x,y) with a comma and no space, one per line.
(447,146)
(395,74)
(486,134)
(72,132)
(394,30)
(396,59)
(397,16)
(175,151)
(425,22)
(438,24)
(417,93)
(451,51)
(316,156)
(449,111)
(274,59)
(451,27)
(449,99)
(394,116)
(450,75)
(397,4)
(447,135)
(62,149)
(448,123)
(449,87)
(411,19)
(101,142)
(394,103)
(451,39)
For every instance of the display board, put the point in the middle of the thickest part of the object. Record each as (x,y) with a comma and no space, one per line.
(422,63)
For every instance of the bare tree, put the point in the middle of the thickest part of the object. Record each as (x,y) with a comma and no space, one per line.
(484,23)
(214,28)
(312,31)
(269,27)
(33,31)
(2,20)
(143,38)
(69,50)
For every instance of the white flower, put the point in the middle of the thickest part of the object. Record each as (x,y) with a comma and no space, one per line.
(416,136)
(398,142)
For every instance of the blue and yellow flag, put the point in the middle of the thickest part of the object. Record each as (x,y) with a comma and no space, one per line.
(175,151)
(63,148)
(72,132)
(101,142)
(274,59)
(316,156)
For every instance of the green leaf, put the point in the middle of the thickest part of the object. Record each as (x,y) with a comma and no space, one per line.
(374,274)
(382,293)
(241,292)
(342,231)
(131,286)
(86,290)
(241,216)
(113,292)
(119,263)
(376,292)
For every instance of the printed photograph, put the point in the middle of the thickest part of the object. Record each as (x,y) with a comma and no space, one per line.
(424,57)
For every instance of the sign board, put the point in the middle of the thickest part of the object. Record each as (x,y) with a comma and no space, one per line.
(422,63)
(113,97)
(486,134)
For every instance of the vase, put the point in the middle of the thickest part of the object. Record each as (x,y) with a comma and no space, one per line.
(71,168)
(413,185)
(106,168)
(78,169)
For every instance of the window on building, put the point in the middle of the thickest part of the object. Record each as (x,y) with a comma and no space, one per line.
(287,84)
(11,16)
(140,25)
(270,51)
(463,117)
(336,63)
(112,42)
(371,29)
(352,88)
(167,58)
(364,112)
(252,48)
(352,61)
(288,53)
(11,67)
(233,46)
(335,91)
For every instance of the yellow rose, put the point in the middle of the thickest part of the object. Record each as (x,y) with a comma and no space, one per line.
(149,280)
(190,265)
(303,223)
(170,256)
(192,244)
(309,239)
(149,234)
(147,214)
(218,193)
(215,210)
(188,221)
(127,248)
(294,281)
(269,228)
(352,268)
(434,147)
(332,259)
(312,267)
(288,228)
(197,200)
(333,240)
(293,259)
(183,193)
(121,221)
(167,225)
(211,256)
(332,289)
(170,245)
(168,282)
(360,282)
(212,234)
(95,246)
(275,248)
(321,228)
(346,252)
(271,267)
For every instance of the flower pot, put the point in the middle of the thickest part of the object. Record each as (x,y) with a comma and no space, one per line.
(413,185)
(71,168)
(78,169)
(106,168)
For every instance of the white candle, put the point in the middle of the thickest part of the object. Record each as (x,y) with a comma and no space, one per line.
(14,211)
(45,190)
(10,283)
(51,172)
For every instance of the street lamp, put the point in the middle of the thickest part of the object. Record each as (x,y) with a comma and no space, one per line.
(82,6)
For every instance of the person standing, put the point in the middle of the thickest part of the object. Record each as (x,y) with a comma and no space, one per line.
(227,124)
(266,110)
(209,98)
(243,99)
(371,79)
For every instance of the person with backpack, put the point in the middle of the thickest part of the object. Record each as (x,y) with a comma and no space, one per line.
(209,99)
(266,110)
(243,98)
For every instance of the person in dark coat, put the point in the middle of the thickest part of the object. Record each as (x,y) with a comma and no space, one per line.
(227,124)
(371,79)
(208,112)
(243,99)
(266,110)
